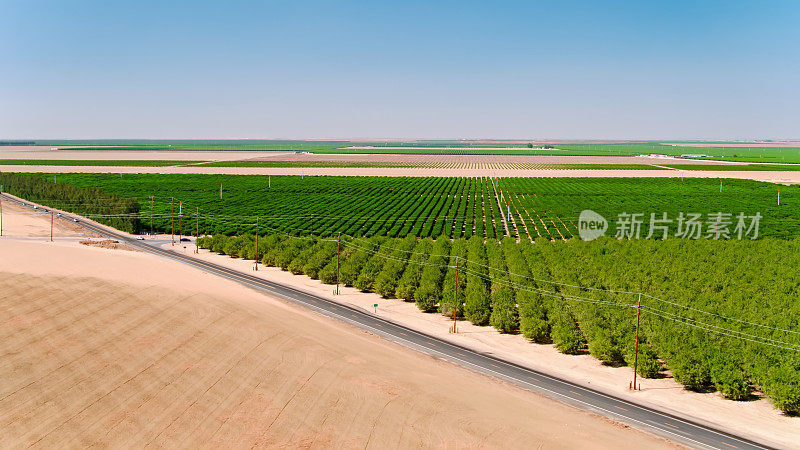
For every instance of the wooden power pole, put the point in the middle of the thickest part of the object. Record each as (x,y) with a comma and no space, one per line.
(172,220)
(52,218)
(256,267)
(338,240)
(180,222)
(455,298)
(196,230)
(1,215)
(151,215)
(636,344)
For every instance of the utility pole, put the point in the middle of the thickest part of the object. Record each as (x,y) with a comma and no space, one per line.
(196,230)
(256,244)
(151,215)
(779,204)
(455,298)
(636,344)
(172,220)
(1,215)
(52,218)
(180,221)
(312,225)
(338,240)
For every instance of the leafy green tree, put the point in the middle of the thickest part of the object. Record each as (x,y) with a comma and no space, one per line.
(393,266)
(691,371)
(504,316)
(410,280)
(235,245)
(477,304)
(565,333)
(730,379)
(323,254)
(782,386)
(429,292)
(458,251)
(301,258)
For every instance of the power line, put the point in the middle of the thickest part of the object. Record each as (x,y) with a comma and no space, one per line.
(788,346)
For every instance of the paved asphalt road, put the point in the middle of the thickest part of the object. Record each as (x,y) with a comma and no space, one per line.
(674,428)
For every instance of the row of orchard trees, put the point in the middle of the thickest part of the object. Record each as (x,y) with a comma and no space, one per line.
(710,311)
(88,201)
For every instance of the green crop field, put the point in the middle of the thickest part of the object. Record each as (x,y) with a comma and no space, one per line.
(743,154)
(95,162)
(527,208)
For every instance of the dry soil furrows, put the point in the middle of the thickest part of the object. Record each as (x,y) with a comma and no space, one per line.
(508,199)
(90,362)
(496,200)
(544,225)
(513,200)
(518,199)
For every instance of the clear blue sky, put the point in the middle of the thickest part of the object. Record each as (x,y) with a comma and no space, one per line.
(400,69)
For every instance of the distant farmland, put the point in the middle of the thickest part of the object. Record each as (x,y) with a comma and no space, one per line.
(755,153)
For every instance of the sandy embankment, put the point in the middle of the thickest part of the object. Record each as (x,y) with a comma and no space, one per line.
(125,349)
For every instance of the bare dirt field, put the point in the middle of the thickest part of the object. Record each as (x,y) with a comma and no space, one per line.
(109,348)
(788,177)
(98,153)
(472,159)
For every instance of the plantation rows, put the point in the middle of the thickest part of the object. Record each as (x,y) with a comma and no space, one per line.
(700,297)
(491,208)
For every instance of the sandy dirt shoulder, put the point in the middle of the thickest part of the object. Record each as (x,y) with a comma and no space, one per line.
(125,349)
